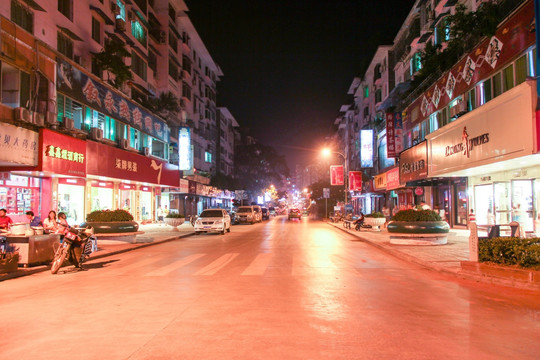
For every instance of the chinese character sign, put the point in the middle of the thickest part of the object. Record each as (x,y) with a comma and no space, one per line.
(337,177)
(184,148)
(390,134)
(355,180)
(398,132)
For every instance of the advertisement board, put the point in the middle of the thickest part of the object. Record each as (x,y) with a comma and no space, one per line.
(337,175)
(355,180)
(18,146)
(392,179)
(366,150)
(62,154)
(184,149)
(413,163)
(390,134)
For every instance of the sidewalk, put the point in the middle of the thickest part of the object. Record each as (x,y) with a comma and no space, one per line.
(153,234)
(442,258)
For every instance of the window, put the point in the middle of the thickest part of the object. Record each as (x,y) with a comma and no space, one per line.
(488,94)
(521,69)
(377,72)
(15,87)
(22,16)
(134,138)
(138,66)
(173,69)
(471,100)
(496,81)
(173,41)
(172,13)
(366,111)
(508,77)
(66,8)
(96,30)
(96,69)
(65,45)
(378,96)
(138,31)
(152,61)
(416,63)
(186,64)
(121,14)
(142,5)
(207,157)
(186,91)
(70,109)
(366,92)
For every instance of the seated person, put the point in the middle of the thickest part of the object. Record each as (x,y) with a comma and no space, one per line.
(34,220)
(360,221)
(5,221)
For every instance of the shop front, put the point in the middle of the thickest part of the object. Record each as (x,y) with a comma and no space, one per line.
(128,180)
(494,149)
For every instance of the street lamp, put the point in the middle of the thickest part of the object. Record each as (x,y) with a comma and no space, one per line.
(326,153)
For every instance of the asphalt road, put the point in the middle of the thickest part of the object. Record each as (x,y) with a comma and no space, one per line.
(277,290)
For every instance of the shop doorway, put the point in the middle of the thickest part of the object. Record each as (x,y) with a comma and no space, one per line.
(71,200)
(146,203)
(101,195)
(522,203)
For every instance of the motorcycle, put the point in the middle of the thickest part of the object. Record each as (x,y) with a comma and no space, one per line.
(192,219)
(83,237)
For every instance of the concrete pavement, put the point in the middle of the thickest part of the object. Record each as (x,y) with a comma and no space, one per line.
(444,258)
(153,234)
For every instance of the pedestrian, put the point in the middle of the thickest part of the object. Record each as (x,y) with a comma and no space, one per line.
(5,221)
(395,210)
(159,213)
(472,217)
(49,224)
(386,213)
(34,220)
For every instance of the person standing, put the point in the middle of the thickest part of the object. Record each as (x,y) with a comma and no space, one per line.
(386,213)
(159,214)
(5,221)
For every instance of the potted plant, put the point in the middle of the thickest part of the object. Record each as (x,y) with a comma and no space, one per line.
(418,227)
(174,220)
(111,221)
(375,220)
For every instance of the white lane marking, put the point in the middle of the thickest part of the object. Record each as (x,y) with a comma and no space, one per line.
(259,265)
(217,264)
(138,265)
(175,265)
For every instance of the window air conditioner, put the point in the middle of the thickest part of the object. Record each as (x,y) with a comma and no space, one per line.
(52,119)
(23,114)
(38,119)
(147,151)
(96,134)
(68,123)
(120,24)
(124,143)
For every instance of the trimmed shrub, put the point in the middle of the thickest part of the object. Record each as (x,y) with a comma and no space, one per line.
(172,215)
(416,215)
(510,251)
(109,216)
(375,215)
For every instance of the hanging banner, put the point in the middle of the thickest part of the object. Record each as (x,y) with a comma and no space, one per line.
(398,132)
(337,176)
(390,136)
(355,180)
(184,149)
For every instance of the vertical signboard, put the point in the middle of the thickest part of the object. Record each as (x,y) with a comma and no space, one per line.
(337,175)
(355,180)
(390,136)
(366,151)
(184,149)
(398,132)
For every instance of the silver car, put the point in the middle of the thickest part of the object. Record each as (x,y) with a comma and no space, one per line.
(213,220)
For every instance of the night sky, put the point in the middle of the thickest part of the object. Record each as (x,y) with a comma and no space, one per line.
(288,64)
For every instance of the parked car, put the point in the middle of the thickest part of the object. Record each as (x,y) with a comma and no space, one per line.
(294,214)
(246,214)
(213,220)
(258,212)
(265,213)
(272,211)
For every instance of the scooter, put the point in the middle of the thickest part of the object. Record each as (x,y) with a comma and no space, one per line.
(83,237)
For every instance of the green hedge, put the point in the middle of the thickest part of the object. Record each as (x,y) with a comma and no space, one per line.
(416,215)
(172,215)
(375,215)
(109,216)
(510,251)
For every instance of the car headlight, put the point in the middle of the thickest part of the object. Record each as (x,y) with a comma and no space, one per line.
(218,222)
(198,222)
(249,216)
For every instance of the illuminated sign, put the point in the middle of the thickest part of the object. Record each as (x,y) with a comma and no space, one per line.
(337,175)
(366,151)
(125,165)
(355,180)
(184,148)
(59,153)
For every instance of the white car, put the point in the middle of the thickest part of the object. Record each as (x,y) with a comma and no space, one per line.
(213,220)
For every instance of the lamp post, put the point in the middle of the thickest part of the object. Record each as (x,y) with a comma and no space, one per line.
(326,152)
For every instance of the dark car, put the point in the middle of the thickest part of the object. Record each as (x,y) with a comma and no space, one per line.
(265,213)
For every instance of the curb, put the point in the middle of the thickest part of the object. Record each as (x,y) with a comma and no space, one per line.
(42,268)
(461,274)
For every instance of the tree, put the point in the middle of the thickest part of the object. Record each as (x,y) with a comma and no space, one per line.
(336,194)
(165,105)
(111,59)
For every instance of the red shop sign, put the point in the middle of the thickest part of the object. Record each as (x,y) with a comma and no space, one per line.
(72,181)
(104,160)
(61,154)
(103,184)
(127,187)
(419,191)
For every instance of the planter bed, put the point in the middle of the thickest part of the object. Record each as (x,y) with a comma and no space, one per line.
(515,275)
(418,232)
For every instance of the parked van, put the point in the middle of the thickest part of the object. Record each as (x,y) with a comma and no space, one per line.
(246,214)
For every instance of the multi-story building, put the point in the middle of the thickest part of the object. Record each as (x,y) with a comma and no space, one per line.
(467,129)
(225,142)
(92,96)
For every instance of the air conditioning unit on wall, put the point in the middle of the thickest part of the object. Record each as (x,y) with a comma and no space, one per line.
(38,119)
(52,119)
(23,114)
(96,134)
(124,143)
(120,24)
(68,123)
(147,151)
